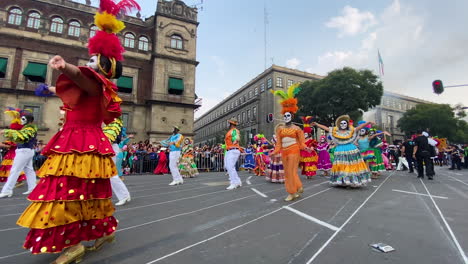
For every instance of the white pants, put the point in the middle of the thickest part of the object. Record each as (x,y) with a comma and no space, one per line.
(173,165)
(231,159)
(402,161)
(22,162)
(118,187)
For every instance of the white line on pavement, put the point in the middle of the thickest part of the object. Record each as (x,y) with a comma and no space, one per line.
(462,253)
(311,218)
(14,255)
(248,180)
(8,229)
(259,193)
(440,197)
(458,180)
(225,232)
(346,222)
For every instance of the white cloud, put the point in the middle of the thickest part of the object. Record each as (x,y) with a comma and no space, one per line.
(207,104)
(352,21)
(293,63)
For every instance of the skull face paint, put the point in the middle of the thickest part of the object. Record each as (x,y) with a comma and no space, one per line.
(93,63)
(287,117)
(343,125)
(24,120)
(362,132)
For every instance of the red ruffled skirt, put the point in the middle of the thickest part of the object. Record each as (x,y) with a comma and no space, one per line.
(72,201)
(7,162)
(308,162)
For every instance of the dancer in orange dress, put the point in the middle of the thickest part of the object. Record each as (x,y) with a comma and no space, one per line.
(72,201)
(290,142)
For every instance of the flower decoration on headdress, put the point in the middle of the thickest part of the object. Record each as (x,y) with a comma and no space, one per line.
(16,114)
(307,120)
(260,137)
(288,100)
(105,42)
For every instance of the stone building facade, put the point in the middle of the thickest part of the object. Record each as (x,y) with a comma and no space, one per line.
(250,104)
(390,110)
(158,81)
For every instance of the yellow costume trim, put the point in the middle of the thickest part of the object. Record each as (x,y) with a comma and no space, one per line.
(51,214)
(7,162)
(349,134)
(87,166)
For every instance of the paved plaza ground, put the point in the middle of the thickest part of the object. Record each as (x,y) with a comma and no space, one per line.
(201,222)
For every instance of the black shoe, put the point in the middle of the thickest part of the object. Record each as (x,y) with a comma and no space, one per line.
(410,171)
(430,178)
(451,169)
(421,177)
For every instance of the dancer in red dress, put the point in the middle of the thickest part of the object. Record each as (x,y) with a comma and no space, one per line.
(162,163)
(72,202)
(309,158)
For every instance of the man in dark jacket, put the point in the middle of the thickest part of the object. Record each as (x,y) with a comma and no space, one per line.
(422,154)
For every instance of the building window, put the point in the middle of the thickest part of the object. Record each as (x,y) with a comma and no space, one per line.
(245,98)
(125,119)
(279,82)
(34,20)
(290,82)
(262,87)
(232,105)
(3,67)
(92,31)
(256,91)
(14,16)
(125,84)
(74,29)
(176,86)
(143,43)
(36,112)
(254,112)
(57,25)
(243,117)
(129,40)
(177,42)
(269,83)
(238,118)
(250,94)
(248,115)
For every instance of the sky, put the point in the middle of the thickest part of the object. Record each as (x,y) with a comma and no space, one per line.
(419,41)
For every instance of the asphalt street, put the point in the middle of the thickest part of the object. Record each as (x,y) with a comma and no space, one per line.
(201,222)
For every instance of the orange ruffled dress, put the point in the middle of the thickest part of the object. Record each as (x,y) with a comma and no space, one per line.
(72,201)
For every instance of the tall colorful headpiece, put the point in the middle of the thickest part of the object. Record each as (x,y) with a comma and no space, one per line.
(288,100)
(307,120)
(105,42)
(16,114)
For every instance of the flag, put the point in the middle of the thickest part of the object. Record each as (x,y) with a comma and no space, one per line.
(381,65)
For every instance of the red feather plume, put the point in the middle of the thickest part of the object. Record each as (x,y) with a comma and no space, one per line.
(123,6)
(106,44)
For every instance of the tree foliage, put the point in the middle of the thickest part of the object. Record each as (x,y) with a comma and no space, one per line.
(438,119)
(343,91)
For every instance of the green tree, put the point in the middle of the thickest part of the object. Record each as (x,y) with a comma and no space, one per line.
(343,91)
(439,119)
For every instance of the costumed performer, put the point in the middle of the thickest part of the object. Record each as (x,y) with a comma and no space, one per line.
(362,142)
(324,162)
(275,172)
(260,157)
(187,166)
(377,165)
(25,140)
(249,161)
(349,169)
(117,135)
(174,143)
(309,159)
(9,156)
(290,141)
(72,202)
(231,140)
(162,162)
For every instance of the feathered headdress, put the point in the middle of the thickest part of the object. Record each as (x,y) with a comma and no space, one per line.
(113,130)
(105,42)
(307,120)
(288,100)
(16,114)
(259,137)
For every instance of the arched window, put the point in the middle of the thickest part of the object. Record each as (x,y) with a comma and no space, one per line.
(143,43)
(74,29)
(129,40)
(14,16)
(34,20)
(92,31)
(176,42)
(57,25)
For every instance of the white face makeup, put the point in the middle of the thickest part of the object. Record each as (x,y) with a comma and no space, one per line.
(93,63)
(343,124)
(362,132)
(24,120)
(322,140)
(287,117)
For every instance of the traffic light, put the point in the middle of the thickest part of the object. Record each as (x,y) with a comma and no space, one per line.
(269,118)
(438,86)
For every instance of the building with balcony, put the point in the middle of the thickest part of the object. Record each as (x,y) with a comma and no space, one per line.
(158,81)
(250,104)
